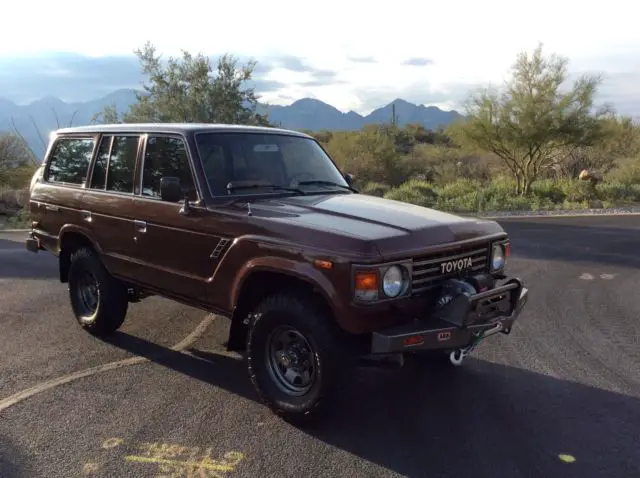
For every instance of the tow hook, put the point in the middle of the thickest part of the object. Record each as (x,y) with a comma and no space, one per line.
(456,357)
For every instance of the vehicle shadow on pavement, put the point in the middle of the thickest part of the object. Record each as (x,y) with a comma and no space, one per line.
(549,240)
(483,419)
(11,460)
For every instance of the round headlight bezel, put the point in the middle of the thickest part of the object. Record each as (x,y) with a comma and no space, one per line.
(393,287)
(498,252)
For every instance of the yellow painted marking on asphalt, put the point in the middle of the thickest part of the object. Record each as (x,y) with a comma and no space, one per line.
(49,384)
(90,467)
(567,458)
(185,461)
(112,443)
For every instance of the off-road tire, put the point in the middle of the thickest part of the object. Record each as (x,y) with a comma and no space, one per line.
(303,314)
(112,303)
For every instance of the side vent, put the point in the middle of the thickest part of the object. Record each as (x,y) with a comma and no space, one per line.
(220,248)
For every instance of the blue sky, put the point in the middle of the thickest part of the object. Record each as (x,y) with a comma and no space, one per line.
(354,55)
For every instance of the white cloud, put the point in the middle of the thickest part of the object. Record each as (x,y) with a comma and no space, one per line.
(468,42)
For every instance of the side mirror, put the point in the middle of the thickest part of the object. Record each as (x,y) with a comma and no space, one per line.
(170,189)
(349,178)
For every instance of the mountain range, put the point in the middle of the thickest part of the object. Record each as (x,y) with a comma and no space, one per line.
(37,119)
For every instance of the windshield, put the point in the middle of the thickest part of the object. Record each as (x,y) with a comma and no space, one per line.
(255,163)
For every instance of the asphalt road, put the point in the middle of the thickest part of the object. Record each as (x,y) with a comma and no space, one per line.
(560,396)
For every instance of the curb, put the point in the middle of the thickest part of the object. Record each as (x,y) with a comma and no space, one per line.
(550,216)
(14,230)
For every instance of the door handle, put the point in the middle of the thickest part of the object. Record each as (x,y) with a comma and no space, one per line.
(141,226)
(86,215)
(48,207)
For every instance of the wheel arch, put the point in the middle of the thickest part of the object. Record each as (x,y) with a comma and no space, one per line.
(71,239)
(260,282)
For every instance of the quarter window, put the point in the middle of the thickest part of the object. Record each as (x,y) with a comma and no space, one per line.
(70,160)
(166,156)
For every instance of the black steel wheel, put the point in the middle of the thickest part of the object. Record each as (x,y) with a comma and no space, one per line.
(295,357)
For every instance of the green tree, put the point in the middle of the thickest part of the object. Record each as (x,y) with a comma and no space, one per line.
(188,90)
(533,124)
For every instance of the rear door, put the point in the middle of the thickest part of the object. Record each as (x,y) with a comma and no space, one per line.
(108,201)
(174,251)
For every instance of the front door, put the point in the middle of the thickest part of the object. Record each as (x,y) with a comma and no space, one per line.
(175,251)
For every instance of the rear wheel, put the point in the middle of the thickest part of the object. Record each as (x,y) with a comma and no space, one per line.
(99,301)
(293,357)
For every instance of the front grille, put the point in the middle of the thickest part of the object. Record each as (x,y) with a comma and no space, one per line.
(427,273)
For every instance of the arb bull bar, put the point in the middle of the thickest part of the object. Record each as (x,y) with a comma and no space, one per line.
(459,325)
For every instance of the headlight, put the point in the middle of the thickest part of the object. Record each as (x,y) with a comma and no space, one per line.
(393,281)
(497,257)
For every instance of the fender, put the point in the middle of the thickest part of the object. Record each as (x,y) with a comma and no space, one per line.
(64,261)
(77,229)
(250,253)
(301,270)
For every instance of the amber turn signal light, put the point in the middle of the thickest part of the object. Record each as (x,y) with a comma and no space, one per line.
(320,264)
(366,285)
(366,281)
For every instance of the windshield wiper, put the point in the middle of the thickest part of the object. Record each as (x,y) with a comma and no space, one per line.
(327,183)
(231,187)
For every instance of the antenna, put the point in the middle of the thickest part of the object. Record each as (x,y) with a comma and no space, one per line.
(249,213)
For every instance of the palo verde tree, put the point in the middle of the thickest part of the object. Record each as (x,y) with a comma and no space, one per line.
(191,90)
(533,124)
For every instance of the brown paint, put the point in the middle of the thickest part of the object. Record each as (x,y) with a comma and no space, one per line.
(174,256)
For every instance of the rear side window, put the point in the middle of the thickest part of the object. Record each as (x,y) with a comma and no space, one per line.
(166,156)
(121,167)
(70,160)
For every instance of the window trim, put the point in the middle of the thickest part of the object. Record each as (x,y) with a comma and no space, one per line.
(190,165)
(51,152)
(248,196)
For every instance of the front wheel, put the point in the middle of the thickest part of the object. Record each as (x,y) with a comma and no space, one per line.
(292,357)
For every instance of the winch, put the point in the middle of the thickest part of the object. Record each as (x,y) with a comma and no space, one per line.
(452,304)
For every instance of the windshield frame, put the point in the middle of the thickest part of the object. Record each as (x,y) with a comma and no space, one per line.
(275,193)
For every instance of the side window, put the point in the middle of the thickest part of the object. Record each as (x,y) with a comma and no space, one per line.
(166,156)
(99,176)
(70,160)
(122,164)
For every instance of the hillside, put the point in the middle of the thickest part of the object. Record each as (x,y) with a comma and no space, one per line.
(37,119)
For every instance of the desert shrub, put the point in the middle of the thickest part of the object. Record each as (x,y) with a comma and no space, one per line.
(416,192)
(375,189)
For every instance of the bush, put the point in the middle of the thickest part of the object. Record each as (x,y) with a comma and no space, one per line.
(414,191)
(626,171)
(375,189)
(21,219)
(12,200)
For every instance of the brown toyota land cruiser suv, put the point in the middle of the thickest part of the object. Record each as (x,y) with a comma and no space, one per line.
(260,226)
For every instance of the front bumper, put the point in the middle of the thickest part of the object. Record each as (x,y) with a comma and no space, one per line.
(459,323)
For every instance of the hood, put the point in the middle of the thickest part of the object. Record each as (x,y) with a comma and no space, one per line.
(395,227)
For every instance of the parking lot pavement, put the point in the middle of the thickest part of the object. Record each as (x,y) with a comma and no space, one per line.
(560,396)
